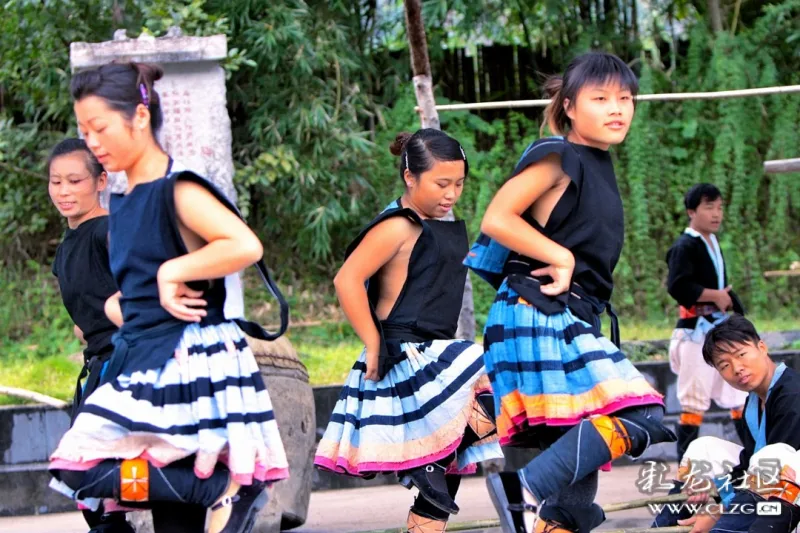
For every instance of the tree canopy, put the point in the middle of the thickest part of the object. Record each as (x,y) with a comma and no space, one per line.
(316,91)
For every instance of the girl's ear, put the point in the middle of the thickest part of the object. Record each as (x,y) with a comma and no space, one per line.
(569,109)
(408,178)
(141,118)
(102,181)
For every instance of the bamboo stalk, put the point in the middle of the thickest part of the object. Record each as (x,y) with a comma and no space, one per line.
(738,93)
(608,508)
(672,529)
(466,526)
(488,524)
(451,526)
(635,504)
(781,273)
(33,396)
(307,324)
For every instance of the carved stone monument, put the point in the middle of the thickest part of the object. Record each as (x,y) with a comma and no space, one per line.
(197,133)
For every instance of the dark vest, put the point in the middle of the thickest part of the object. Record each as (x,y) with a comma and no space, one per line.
(588,220)
(144,235)
(429,302)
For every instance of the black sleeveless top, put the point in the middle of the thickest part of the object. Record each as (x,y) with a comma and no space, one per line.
(144,234)
(429,302)
(84,276)
(588,219)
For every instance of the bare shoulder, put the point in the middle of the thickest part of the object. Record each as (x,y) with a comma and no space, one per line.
(191,190)
(395,229)
(204,214)
(379,246)
(547,170)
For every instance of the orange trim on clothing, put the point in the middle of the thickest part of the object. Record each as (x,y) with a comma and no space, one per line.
(568,408)
(736,414)
(696,310)
(549,526)
(691,419)
(614,434)
(134,480)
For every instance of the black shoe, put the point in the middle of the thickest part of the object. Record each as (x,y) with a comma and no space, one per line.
(430,481)
(246,505)
(113,527)
(109,522)
(486,401)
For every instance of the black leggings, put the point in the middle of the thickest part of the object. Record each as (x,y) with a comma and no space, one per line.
(178,518)
(167,518)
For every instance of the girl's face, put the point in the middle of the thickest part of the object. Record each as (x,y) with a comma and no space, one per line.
(601,115)
(116,141)
(438,189)
(73,189)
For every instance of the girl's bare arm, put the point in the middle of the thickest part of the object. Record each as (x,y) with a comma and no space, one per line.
(230,244)
(377,248)
(113,310)
(503,218)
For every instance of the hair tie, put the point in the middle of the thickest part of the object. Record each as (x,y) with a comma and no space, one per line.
(407,160)
(145,99)
(462,152)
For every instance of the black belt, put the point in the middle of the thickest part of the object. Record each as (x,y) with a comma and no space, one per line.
(584,306)
(392,336)
(399,333)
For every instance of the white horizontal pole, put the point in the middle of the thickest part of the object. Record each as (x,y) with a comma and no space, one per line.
(778,166)
(739,93)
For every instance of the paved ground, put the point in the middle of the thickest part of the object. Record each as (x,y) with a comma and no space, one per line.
(380,508)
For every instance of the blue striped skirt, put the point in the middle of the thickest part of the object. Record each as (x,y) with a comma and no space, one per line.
(209,400)
(554,369)
(417,414)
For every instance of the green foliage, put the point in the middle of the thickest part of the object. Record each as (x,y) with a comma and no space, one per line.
(52,375)
(34,110)
(26,223)
(33,321)
(190,16)
(302,146)
(317,91)
(640,193)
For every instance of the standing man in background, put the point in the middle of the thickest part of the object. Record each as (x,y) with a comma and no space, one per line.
(698,282)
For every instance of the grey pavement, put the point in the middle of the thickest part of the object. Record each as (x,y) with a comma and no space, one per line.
(383,507)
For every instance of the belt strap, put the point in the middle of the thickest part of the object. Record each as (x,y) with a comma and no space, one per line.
(597,306)
(92,371)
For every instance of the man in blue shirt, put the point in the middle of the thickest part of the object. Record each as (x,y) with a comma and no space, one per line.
(767,467)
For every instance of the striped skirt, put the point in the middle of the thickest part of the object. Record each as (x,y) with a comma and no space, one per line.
(208,401)
(416,415)
(555,369)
